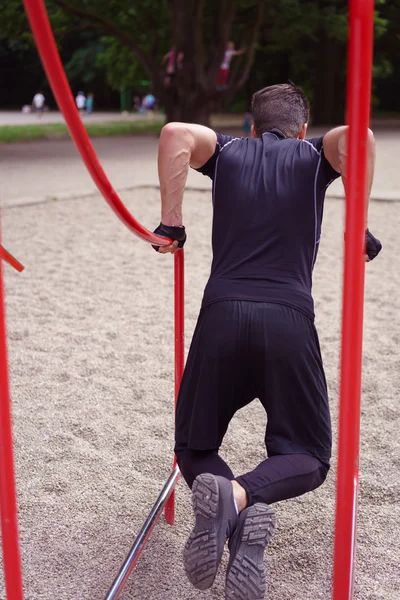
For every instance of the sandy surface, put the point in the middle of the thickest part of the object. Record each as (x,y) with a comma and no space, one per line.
(90,341)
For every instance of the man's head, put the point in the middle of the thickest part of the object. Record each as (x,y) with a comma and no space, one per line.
(284,107)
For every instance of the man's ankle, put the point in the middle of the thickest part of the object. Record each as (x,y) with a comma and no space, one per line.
(240,496)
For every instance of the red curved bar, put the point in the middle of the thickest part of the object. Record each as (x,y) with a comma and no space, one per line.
(4,255)
(358,115)
(8,496)
(39,22)
(45,42)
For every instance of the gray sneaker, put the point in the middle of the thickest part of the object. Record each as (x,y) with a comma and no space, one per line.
(245,576)
(216,519)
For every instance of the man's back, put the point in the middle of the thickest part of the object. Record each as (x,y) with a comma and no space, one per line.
(268,196)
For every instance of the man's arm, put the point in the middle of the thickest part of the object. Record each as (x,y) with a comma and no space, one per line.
(181,145)
(165,58)
(335,150)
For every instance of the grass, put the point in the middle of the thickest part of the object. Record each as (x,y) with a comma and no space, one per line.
(57,131)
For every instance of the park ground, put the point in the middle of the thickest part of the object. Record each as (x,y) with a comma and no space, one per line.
(91,363)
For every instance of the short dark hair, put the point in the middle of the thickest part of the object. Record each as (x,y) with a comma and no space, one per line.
(284,107)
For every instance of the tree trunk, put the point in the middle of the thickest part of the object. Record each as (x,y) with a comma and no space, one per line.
(329,88)
(183,101)
(192,96)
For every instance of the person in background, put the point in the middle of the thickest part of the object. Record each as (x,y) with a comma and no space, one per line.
(223,73)
(38,103)
(80,101)
(247,121)
(149,102)
(136,103)
(89,103)
(175,60)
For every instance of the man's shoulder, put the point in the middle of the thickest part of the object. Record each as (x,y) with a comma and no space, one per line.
(225,140)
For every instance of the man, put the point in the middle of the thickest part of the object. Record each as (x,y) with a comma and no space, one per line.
(255,336)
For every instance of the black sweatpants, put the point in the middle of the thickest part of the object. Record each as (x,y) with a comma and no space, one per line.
(240,351)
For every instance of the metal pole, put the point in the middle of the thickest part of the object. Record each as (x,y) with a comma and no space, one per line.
(142,537)
(358,115)
(179,330)
(8,495)
(167,497)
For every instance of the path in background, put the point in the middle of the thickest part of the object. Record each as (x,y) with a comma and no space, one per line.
(19,118)
(47,169)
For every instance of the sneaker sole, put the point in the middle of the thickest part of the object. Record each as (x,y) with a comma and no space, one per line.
(246,579)
(200,556)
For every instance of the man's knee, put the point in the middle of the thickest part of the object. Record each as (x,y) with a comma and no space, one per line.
(194,462)
(321,474)
(186,462)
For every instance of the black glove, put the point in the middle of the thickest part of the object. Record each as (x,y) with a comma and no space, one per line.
(372,245)
(174,233)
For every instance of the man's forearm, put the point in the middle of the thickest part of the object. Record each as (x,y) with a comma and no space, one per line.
(173,166)
(371,154)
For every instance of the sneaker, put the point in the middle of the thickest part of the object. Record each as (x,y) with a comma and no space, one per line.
(245,576)
(216,519)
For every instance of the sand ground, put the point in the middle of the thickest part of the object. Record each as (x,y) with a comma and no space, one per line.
(91,364)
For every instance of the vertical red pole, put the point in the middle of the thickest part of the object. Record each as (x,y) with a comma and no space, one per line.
(179,296)
(8,497)
(358,114)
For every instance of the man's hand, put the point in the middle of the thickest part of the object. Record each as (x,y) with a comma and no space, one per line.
(178,234)
(372,246)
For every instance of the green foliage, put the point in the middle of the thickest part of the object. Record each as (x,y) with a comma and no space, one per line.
(288,46)
(83,66)
(122,68)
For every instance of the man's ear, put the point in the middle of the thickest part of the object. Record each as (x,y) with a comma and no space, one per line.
(303,132)
(253,132)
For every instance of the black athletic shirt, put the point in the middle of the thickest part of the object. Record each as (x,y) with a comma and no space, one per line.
(268,197)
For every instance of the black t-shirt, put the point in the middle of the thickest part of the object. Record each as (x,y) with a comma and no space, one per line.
(268,197)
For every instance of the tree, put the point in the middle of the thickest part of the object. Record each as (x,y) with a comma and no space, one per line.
(301,40)
(200,29)
(149,28)
(312,51)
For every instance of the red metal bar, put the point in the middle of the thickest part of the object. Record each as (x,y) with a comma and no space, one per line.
(10,259)
(8,497)
(358,115)
(41,28)
(179,276)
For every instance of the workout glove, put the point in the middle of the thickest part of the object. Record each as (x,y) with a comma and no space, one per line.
(372,245)
(174,233)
